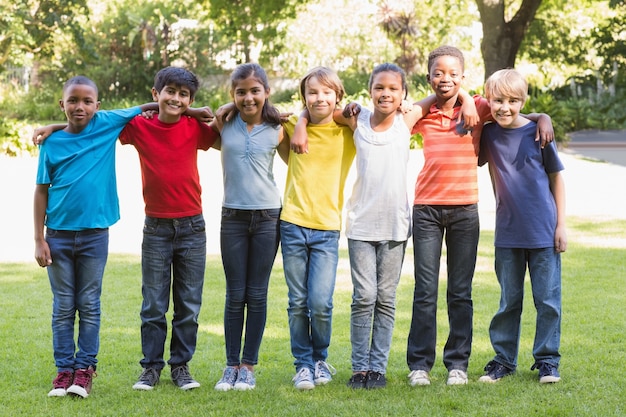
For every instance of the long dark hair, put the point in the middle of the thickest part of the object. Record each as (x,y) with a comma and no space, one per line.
(269,113)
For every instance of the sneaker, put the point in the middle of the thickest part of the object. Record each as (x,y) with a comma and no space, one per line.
(494,372)
(61,383)
(148,379)
(548,373)
(457,377)
(245,379)
(357,380)
(182,378)
(375,380)
(419,377)
(81,386)
(229,377)
(303,379)
(323,373)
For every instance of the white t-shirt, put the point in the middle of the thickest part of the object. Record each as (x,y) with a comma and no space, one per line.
(378,209)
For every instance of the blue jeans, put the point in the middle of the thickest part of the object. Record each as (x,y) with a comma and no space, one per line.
(78,261)
(173,254)
(310,259)
(249,242)
(544,267)
(376,269)
(460,226)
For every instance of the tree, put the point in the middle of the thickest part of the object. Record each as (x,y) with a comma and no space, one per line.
(502,38)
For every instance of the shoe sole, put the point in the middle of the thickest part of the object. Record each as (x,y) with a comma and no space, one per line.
(488,380)
(549,379)
(189,386)
(457,382)
(223,387)
(322,381)
(143,387)
(78,391)
(305,386)
(243,387)
(57,392)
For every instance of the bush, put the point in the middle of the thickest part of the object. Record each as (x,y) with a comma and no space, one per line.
(15,137)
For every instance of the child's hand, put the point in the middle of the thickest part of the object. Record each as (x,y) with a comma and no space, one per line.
(225,112)
(405,107)
(351,110)
(149,114)
(299,143)
(284,117)
(204,114)
(41,133)
(545,131)
(469,115)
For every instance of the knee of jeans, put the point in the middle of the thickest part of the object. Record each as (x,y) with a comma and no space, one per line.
(320,308)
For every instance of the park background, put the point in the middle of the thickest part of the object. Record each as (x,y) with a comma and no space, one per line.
(573,54)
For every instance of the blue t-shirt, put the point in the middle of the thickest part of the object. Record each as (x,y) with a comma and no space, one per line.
(80,168)
(519,168)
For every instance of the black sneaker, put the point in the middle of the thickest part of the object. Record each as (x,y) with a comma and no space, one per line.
(357,381)
(148,379)
(495,371)
(548,373)
(375,380)
(182,378)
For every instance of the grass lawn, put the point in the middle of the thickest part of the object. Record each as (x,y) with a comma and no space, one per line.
(593,347)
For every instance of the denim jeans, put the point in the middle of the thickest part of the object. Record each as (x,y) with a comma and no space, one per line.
(78,261)
(376,269)
(173,254)
(249,242)
(310,259)
(460,226)
(544,267)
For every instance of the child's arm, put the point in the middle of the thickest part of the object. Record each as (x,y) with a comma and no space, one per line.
(202,114)
(299,143)
(217,125)
(557,187)
(545,131)
(42,250)
(469,114)
(283,145)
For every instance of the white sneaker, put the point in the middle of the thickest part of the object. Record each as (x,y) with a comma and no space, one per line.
(419,377)
(303,379)
(457,377)
(323,373)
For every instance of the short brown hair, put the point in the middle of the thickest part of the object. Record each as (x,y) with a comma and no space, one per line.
(325,76)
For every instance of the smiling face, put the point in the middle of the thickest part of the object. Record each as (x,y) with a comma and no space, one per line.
(320,100)
(173,101)
(387,92)
(80,103)
(250,95)
(445,78)
(506,110)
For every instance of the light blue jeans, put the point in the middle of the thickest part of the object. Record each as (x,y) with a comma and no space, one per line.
(544,267)
(310,264)
(376,269)
(78,261)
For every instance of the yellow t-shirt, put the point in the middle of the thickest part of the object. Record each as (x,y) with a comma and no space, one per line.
(313,195)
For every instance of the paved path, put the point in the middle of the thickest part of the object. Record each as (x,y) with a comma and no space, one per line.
(609,146)
(594,190)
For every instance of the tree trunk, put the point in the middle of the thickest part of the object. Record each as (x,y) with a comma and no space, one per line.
(502,39)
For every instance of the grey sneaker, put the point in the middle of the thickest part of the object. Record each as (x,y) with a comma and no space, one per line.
(148,379)
(229,377)
(303,379)
(245,379)
(182,378)
(323,373)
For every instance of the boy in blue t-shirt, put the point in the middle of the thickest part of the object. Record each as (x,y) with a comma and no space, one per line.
(530,229)
(76,199)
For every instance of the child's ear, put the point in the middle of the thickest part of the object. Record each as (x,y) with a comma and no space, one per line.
(155,94)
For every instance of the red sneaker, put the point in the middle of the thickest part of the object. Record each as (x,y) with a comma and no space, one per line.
(82,382)
(61,383)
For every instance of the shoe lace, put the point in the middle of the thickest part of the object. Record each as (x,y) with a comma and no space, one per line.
(322,368)
(303,373)
(63,379)
(149,374)
(82,377)
(181,373)
(544,367)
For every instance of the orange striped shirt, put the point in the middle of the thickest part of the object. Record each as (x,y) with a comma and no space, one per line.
(449,175)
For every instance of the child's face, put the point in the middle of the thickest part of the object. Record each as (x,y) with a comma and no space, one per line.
(249,96)
(445,77)
(80,103)
(320,101)
(387,92)
(506,110)
(173,102)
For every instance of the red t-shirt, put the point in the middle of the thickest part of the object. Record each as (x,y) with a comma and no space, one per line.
(449,175)
(168,155)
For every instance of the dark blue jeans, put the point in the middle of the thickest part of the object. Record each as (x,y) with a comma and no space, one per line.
(78,261)
(249,242)
(460,226)
(173,255)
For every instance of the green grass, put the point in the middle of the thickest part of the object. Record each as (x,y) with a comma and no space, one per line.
(592,367)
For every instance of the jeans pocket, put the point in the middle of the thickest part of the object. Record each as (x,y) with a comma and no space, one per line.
(150,226)
(228,212)
(271,214)
(198,225)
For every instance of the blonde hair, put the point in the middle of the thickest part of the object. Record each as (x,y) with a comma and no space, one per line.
(326,77)
(506,83)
